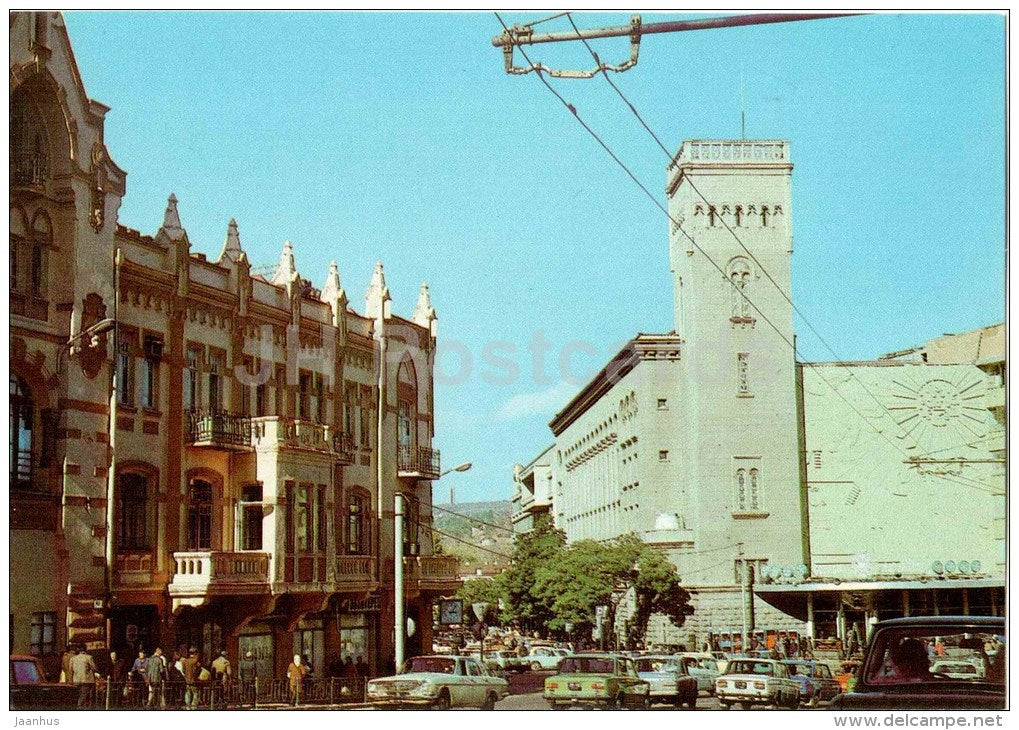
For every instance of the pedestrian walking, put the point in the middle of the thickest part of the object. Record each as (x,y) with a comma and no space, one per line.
(174,681)
(247,670)
(190,668)
(221,670)
(84,674)
(296,673)
(155,675)
(65,664)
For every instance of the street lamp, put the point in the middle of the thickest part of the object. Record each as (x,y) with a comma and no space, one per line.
(462,467)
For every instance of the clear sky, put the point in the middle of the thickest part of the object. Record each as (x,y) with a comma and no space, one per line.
(399,137)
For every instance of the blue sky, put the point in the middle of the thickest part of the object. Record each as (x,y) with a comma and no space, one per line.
(365,136)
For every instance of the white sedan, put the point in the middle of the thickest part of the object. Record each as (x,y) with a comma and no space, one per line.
(544,657)
(441,682)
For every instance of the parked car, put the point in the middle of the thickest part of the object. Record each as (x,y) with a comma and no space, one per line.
(703,667)
(31,690)
(498,660)
(544,657)
(897,671)
(757,682)
(816,681)
(439,681)
(601,680)
(668,679)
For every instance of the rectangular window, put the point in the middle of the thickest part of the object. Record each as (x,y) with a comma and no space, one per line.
(304,395)
(44,633)
(742,375)
(757,565)
(303,519)
(191,387)
(251,517)
(199,515)
(405,426)
(319,407)
(132,512)
(817,459)
(366,418)
(260,399)
(150,381)
(125,384)
(349,410)
(281,391)
(217,374)
(663,455)
(355,526)
(663,404)
(37,277)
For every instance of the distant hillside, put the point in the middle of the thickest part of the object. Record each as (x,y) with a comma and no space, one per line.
(480,533)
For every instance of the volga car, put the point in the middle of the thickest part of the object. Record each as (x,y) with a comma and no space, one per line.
(899,673)
(30,689)
(669,679)
(704,668)
(439,681)
(544,657)
(602,680)
(757,682)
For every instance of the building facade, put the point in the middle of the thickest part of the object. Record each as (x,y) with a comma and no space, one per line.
(779,488)
(532,492)
(244,497)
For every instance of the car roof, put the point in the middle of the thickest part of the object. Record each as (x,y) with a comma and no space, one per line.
(989,621)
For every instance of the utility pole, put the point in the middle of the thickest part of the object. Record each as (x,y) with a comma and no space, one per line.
(398,614)
(521,35)
(743,598)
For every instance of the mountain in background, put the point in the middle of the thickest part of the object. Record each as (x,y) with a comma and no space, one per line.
(479,533)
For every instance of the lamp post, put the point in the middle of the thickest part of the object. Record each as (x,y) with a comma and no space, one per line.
(111,475)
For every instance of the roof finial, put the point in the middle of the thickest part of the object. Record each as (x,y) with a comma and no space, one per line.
(377,294)
(424,313)
(285,269)
(232,244)
(171,219)
(332,288)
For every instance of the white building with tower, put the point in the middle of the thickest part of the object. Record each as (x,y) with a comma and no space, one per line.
(702,440)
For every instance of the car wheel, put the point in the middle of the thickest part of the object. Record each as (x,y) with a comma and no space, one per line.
(746,705)
(794,704)
(489,702)
(535,666)
(557,705)
(692,702)
(443,702)
(724,705)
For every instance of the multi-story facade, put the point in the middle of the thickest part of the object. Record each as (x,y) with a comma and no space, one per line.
(532,492)
(707,440)
(244,499)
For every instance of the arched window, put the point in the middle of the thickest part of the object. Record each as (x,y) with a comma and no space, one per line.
(132,512)
(741,489)
(21,421)
(29,163)
(199,515)
(739,276)
(406,383)
(755,490)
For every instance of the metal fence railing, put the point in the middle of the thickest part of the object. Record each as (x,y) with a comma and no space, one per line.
(217,695)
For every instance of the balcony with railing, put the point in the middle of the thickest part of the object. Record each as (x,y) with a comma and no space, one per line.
(433,572)
(297,433)
(219,430)
(733,150)
(28,169)
(199,575)
(418,463)
(355,570)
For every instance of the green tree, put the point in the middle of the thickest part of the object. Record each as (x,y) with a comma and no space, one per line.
(481,590)
(531,551)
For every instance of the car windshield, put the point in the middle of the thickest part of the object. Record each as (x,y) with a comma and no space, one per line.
(586,665)
(915,655)
(743,666)
(432,664)
(656,664)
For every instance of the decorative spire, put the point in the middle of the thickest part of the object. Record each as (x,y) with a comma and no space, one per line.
(232,244)
(424,313)
(377,295)
(171,219)
(332,288)
(285,269)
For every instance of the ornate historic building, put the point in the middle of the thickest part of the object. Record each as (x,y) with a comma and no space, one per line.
(261,427)
(803,497)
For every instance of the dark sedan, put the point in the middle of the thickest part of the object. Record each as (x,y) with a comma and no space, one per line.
(901,668)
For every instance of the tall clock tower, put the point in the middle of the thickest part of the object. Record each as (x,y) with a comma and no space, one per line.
(733,312)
